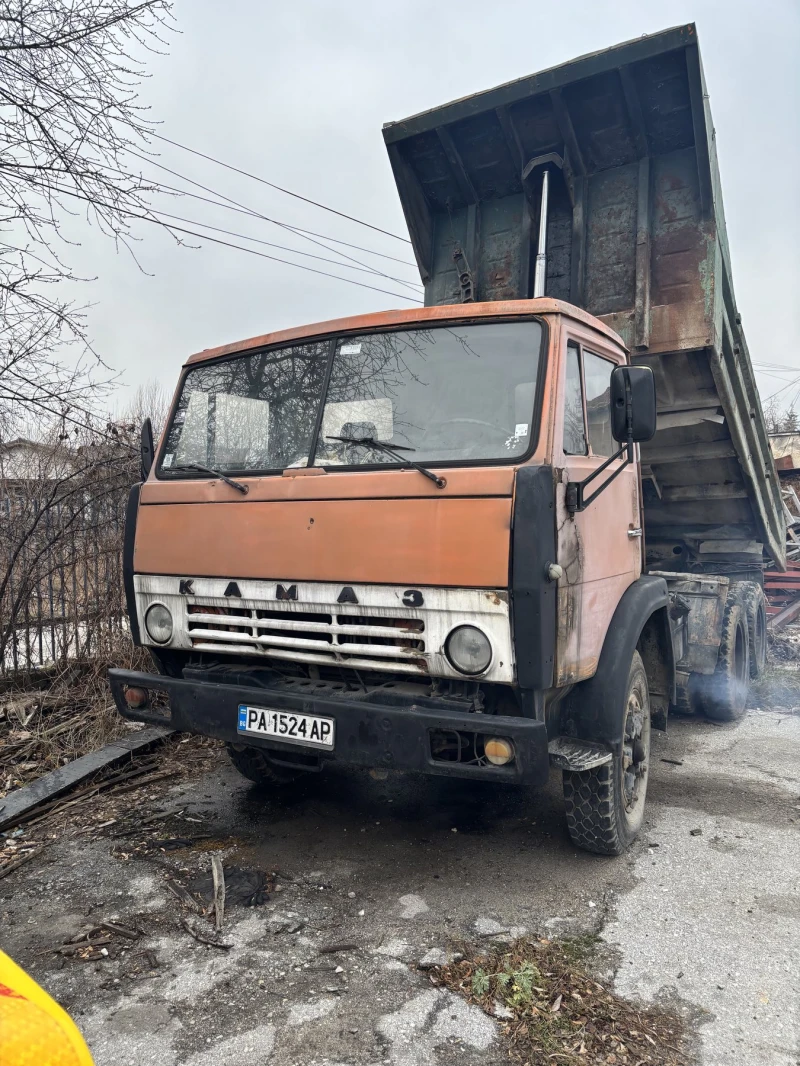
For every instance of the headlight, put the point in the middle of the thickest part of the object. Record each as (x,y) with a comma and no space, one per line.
(158,623)
(468,650)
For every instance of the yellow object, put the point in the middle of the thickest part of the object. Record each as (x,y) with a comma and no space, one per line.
(498,751)
(34,1030)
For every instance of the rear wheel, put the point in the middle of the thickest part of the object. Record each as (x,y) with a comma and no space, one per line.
(605,806)
(755,606)
(723,694)
(256,765)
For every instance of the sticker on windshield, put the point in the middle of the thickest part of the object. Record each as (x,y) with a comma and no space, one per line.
(520,433)
(167,460)
(350,349)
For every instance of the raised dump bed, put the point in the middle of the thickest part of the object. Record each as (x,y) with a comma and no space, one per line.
(636,235)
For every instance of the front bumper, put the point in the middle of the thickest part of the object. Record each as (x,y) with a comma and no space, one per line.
(367,734)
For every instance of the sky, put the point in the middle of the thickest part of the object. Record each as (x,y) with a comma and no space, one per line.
(296,93)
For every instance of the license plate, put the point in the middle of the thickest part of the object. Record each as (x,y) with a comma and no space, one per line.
(307,729)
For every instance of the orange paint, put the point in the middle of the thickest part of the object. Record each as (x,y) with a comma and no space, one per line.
(344,485)
(445,542)
(418,316)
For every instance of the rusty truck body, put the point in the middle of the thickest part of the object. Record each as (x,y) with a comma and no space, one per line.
(509,530)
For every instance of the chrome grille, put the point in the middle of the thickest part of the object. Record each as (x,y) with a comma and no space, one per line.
(311,634)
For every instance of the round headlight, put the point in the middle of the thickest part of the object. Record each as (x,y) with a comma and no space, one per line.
(158,623)
(468,650)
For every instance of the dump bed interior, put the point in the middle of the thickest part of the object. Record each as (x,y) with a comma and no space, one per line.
(636,236)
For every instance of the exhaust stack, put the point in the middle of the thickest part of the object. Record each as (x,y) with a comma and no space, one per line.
(541,255)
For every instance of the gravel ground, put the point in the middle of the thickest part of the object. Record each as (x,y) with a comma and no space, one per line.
(703,914)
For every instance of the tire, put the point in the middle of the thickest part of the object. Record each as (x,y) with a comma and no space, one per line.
(723,694)
(256,765)
(755,606)
(605,806)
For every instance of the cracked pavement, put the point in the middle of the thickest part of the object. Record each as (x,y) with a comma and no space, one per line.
(403,870)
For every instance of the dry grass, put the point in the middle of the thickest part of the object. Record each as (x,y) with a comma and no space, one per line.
(560,1014)
(41,729)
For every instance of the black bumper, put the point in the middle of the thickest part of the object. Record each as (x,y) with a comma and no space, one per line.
(367,734)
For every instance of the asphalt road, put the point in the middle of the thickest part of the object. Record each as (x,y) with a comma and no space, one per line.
(703,913)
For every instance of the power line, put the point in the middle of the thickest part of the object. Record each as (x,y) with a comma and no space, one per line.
(783,388)
(288,192)
(251,251)
(161,186)
(283,225)
(287,262)
(269,244)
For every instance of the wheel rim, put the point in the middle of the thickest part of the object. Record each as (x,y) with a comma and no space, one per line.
(635,751)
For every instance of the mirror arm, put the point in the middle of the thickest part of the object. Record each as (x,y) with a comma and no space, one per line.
(575,499)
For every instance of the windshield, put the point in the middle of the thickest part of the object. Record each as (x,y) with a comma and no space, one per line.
(441,394)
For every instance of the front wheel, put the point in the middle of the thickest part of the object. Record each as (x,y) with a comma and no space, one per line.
(605,806)
(255,764)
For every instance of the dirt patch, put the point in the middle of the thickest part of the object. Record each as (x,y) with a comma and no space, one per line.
(117,802)
(555,1011)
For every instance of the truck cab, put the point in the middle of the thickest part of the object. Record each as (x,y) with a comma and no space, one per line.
(390,573)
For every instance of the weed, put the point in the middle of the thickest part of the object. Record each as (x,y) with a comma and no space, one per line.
(560,1012)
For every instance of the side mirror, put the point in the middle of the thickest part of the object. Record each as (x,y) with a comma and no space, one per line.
(148,448)
(633,403)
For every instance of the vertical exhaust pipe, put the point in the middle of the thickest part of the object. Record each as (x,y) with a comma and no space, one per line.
(541,255)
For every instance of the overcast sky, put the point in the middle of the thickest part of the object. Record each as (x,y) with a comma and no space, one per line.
(297,93)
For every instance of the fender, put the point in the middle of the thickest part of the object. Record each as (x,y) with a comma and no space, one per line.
(129,540)
(592,709)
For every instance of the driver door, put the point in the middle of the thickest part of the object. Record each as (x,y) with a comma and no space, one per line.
(599,549)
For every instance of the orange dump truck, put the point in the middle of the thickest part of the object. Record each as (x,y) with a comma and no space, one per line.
(509,530)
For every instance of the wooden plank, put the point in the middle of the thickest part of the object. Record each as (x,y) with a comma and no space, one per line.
(782,618)
(17,804)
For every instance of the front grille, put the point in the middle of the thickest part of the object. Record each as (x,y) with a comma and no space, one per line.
(317,635)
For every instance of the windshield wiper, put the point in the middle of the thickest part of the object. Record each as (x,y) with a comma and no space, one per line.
(378,445)
(244,489)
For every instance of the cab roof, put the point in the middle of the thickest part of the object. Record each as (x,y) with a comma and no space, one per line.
(410,317)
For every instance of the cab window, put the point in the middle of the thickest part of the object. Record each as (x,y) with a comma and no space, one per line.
(574,427)
(597,379)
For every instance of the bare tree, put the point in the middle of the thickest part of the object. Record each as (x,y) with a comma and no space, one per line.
(151,400)
(779,419)
(71,129)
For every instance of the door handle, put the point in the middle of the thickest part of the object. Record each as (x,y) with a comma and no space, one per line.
(634,533)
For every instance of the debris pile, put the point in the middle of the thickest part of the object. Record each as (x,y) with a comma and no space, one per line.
(93,942)
(778,689)
(552,1010)
(47,727)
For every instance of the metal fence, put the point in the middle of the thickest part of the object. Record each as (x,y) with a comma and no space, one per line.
(61,582)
